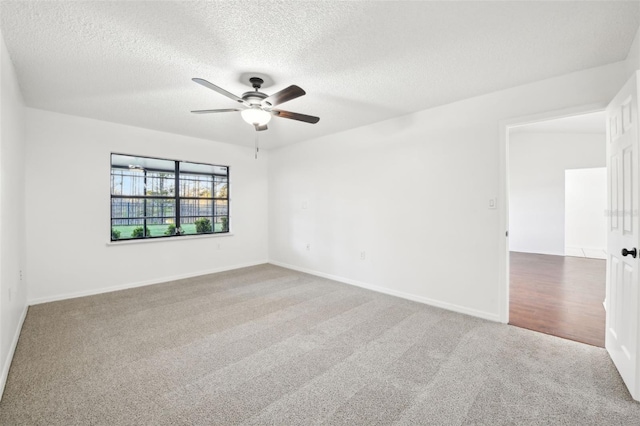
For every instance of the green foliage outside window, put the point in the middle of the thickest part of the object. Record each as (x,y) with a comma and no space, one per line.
(139,232)
(203,226)
(171,229)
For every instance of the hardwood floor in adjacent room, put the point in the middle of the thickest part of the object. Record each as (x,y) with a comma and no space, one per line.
(558,295)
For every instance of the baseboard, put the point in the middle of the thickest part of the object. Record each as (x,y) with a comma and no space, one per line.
(12,350)
(586,248)
(547,253)
(39,300)
(427,301)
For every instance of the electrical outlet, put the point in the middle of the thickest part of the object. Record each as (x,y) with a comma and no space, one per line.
(20,274)
(363,255)
(308,246)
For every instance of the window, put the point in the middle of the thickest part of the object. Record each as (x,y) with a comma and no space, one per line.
(154,198)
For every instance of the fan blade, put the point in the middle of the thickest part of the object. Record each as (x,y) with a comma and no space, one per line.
(207,111)
(296,116)
(260,128)
(284,95)
(215,88)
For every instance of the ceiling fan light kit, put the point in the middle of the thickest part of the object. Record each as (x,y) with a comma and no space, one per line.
(255,116)
(257,106)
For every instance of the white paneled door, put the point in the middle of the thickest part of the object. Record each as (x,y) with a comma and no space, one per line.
(623,277)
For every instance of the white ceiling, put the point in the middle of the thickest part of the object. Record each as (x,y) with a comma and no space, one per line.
(594,122)
(359,62)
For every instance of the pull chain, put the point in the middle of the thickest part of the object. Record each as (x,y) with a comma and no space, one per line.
(257,148)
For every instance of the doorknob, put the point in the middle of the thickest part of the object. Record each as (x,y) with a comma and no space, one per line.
(633,252)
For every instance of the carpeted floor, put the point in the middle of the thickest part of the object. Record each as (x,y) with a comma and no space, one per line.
(270,346)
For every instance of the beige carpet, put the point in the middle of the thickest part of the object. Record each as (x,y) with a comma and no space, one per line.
(270,346)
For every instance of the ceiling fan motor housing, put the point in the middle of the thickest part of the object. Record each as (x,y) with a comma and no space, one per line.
(254,98)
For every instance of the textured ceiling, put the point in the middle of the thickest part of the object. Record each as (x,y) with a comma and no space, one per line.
(359,62)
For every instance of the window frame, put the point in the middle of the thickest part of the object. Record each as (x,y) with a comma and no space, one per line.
(176,198)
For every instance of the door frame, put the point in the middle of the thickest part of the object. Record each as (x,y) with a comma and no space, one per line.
(503,191)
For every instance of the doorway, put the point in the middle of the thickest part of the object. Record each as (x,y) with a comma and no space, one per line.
(557,226)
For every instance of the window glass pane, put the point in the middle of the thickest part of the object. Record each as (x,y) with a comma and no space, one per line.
(187,225)
(221,187)
(196,185)
(160,210)
(160,184)
(120,231)
(221,224)
(127,182)
(128,218)
(127,211)
(197,208)
(142,163)
(196,225)
(205,169)
(124,232)
(222,208)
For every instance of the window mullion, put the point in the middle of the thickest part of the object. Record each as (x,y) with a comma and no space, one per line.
(144,221)
(177,192)
(213,204)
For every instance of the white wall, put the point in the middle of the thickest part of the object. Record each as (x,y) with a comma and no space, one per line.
(412,192)
(68,208)
(13,294)
(585,219)
(537,164)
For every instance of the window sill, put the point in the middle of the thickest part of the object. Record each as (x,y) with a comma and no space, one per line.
(164,239)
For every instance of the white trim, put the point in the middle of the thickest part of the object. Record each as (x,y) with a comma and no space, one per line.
(164,239)
(503,227)
(427,301)
(546,253)
(73,295)
(587,248)
(12,350)
(503,242)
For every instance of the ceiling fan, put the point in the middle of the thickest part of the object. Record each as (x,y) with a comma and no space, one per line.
(257,106)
